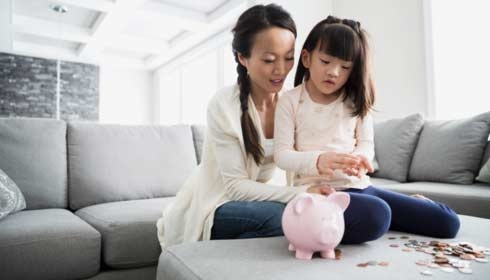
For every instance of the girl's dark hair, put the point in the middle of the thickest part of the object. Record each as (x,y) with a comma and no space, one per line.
(344,39)
(249,24)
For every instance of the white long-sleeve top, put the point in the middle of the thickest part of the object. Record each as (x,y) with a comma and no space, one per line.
(226,173)
(304,129)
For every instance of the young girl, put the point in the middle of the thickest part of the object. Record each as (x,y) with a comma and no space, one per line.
(325,122)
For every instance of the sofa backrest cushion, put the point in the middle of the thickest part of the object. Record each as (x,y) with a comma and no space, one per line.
(484,173)
(394,144)
(33,154)
(450,151)
(486,156)
(121,162)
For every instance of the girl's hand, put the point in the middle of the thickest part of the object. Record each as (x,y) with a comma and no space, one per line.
(364,167)
(329,161)
(364,163)
(321,189)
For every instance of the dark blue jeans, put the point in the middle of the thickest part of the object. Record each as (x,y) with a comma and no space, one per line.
(370,214)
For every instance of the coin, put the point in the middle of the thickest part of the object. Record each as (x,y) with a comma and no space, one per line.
(372,262)
(482,260)
(433,265)
(404,237)
(391,237)
(362,264)
(447,269)
(466,270)
(426,272)
(467,257)
(394,245)
(383,263)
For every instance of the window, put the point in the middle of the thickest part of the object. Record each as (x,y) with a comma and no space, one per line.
(460,57)
(185,90)
(199,84)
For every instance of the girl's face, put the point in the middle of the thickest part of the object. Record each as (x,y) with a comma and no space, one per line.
(328,74)
(271,59)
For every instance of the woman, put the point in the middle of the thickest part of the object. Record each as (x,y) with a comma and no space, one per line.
(228,197)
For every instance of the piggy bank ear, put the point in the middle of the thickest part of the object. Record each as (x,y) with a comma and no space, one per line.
(304,200)
(340,198)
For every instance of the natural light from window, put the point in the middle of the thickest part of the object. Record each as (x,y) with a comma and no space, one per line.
(461,56)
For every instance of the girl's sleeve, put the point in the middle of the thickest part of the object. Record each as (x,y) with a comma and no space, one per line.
(232,163)
(285,155)
(365,137)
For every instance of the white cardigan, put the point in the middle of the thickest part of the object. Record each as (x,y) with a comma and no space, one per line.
(226,173)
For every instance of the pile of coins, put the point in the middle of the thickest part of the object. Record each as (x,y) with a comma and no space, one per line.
(447,257)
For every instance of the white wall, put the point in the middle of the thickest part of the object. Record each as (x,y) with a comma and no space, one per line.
(5,25)
(126,95)
(396,29)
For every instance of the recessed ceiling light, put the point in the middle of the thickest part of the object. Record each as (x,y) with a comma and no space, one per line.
(59,8)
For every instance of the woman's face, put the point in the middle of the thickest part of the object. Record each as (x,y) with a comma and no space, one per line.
(271,59)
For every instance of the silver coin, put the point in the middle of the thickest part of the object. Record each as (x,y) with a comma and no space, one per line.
(466,270)
(426,272)
(482,260)
(433,265)
(447,269)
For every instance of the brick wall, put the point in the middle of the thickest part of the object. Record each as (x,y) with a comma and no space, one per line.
(28,88)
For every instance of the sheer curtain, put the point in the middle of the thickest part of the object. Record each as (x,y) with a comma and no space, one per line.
(460,57)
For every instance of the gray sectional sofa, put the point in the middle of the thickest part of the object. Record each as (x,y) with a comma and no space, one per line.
(94,192)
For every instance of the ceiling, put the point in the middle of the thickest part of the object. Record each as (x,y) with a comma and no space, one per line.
(143,34)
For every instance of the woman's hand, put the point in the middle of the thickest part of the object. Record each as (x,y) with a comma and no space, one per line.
(321,189)
(329,161)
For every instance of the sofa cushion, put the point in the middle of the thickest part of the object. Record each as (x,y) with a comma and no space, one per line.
(394,144)
(450,151)
(198,133)
(48,244)
(471,200)
(382,181)
(33,154)
(484,174)
(269,258)
(128,230)
(115,162)
(11,198)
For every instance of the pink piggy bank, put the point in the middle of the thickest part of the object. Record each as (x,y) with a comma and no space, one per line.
(313,222)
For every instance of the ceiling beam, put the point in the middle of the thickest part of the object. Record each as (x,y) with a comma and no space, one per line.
(96,5)
(137,44)
(38,50)
(219,20)
(182,18)
(223,9)
(108,24)
(50,29)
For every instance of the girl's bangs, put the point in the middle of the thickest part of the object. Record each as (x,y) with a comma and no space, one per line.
(339,41)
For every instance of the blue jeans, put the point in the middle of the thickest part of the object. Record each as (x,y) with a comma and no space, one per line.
(370,214)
